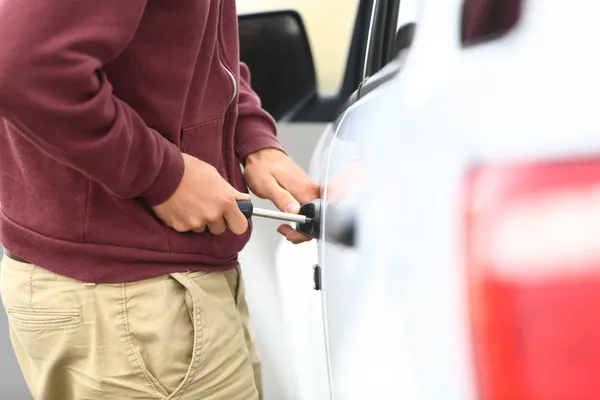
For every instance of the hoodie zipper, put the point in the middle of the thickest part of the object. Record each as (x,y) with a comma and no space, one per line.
(220,52)
(233,80)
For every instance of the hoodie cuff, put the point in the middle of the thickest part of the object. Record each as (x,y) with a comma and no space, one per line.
(169,175)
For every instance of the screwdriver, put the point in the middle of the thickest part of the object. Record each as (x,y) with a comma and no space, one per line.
(248,209)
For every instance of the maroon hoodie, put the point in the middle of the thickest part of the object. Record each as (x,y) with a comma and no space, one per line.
(98,99)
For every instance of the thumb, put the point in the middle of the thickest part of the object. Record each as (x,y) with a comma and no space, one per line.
(282,199)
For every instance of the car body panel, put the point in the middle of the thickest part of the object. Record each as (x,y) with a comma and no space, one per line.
(473,116)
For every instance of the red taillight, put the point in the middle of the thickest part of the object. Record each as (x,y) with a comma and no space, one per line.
(533,262)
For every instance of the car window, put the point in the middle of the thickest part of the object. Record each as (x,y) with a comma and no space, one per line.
(329,25)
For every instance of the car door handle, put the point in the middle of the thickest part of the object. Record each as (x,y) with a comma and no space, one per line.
(340,224)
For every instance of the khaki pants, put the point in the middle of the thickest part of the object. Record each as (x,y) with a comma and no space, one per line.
(182,336)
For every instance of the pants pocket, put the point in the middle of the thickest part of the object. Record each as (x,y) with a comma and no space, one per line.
(46,326)
(160,332)
(34,301)
(198,351)
(44,319)
(221,367)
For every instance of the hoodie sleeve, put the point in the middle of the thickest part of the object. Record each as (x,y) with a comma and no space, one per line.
(54,91)
(256,129)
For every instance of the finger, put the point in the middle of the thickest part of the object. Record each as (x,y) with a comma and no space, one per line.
(297,237)
(217,227)
(300,186)
(303,190)
(282,199)
(285,230)
(181,228)
(193,225)
(236,221)
(292,235)
(199,229)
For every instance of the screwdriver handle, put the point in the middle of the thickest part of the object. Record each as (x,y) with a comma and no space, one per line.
(246,207)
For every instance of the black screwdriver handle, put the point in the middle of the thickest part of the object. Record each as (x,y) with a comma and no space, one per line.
(246,207)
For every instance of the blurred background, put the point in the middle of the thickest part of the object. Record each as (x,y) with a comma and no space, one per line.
(329,37)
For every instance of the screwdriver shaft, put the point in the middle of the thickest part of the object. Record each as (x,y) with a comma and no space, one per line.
(281,216)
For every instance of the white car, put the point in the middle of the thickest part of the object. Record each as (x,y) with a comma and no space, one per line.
(460,261)
(382,36)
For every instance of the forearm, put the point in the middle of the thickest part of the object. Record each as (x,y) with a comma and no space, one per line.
(256,129)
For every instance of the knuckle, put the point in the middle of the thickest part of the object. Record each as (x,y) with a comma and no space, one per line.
(195,223)
(179,227)
(229,202)
(213,216)
(217,229)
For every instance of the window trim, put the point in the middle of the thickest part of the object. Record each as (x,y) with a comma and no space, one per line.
(383,34)
(370,38)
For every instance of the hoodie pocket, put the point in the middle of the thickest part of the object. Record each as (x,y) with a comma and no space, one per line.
(205,142)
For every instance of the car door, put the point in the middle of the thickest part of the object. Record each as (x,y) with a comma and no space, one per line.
(390,36)
(288,90)
(381,34)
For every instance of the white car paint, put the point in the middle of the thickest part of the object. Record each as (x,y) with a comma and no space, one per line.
(395,315)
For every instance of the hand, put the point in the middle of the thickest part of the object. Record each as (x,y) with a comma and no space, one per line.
(203,200)
(272,175)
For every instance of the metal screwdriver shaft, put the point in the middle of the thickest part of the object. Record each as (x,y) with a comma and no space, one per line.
(247,208)
(281,216)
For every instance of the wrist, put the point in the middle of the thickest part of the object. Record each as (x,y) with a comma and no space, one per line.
(265,154)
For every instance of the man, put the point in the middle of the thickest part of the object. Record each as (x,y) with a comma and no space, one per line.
(123,126)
